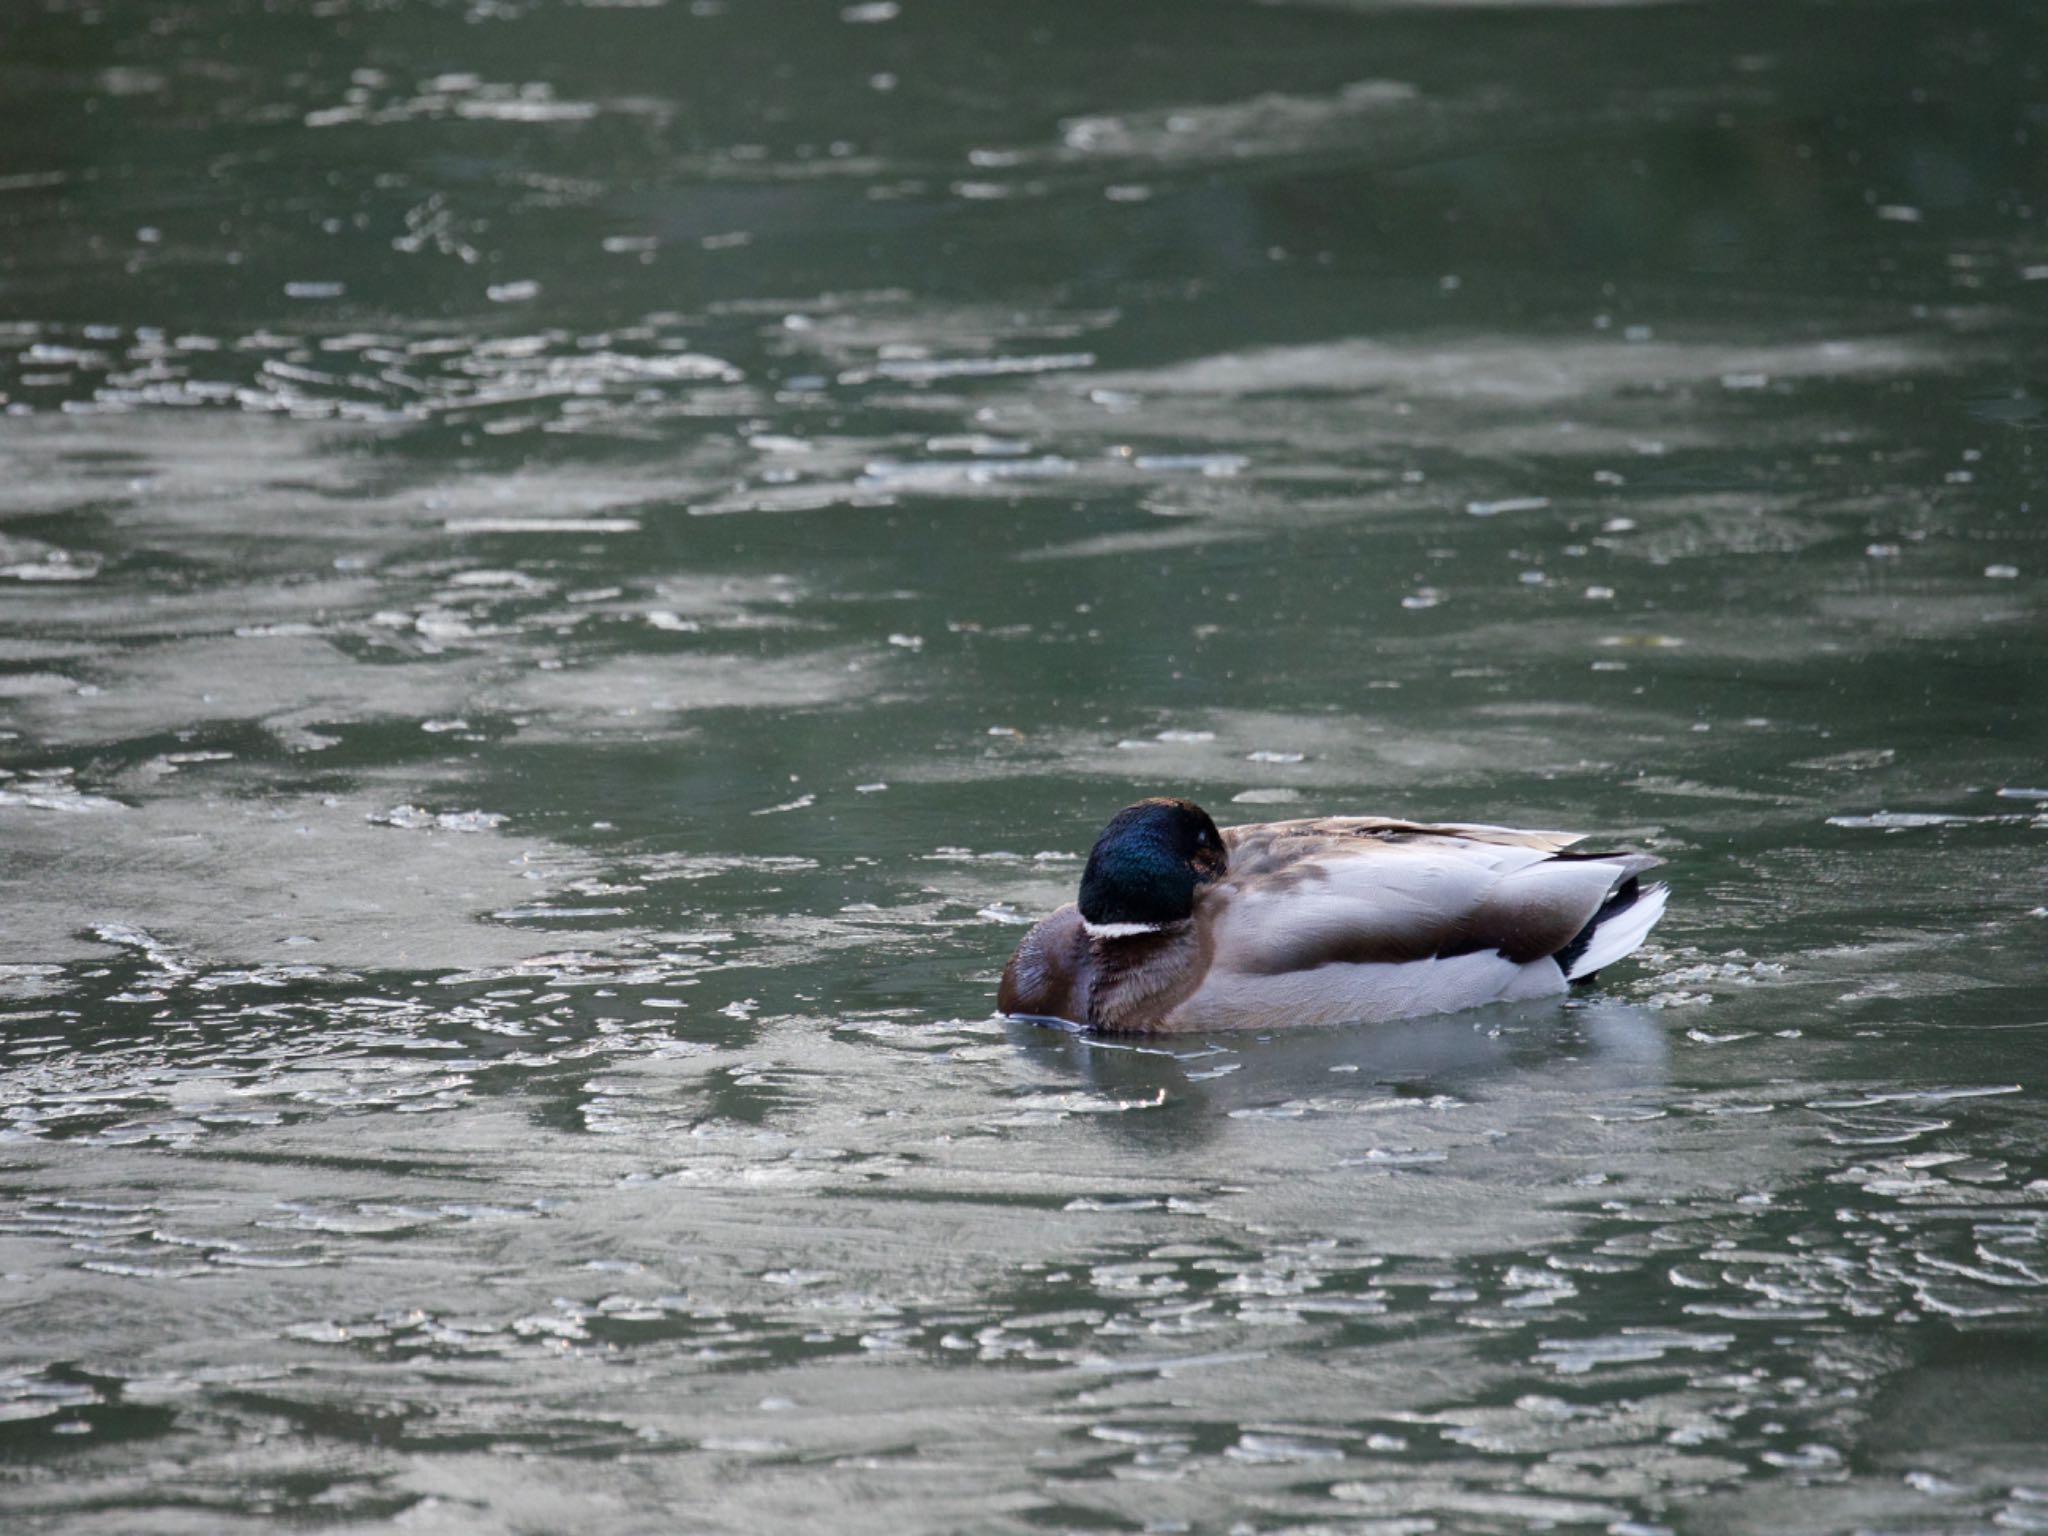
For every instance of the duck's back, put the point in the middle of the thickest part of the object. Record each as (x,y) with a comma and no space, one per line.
(1362,919)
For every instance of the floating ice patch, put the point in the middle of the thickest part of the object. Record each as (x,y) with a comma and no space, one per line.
(920,370)
(1899,821)
(1215,465)
(1270,123)
(542,525)
(33,560)
(1281,1450)
(1081,1103)
(1393,1157)
(521,914)
(412,818)
(979,444)
(939,474)
(55,795)
(1632,1346)
(1917,1096)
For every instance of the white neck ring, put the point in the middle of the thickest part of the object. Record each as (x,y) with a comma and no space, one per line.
(1122,930)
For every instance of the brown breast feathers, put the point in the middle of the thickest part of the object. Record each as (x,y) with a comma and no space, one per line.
(1123,985)
(1047,978)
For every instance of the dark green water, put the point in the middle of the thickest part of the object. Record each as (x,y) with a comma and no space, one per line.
(569,573)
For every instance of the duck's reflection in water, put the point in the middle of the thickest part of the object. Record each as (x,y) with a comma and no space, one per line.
(1593,1053)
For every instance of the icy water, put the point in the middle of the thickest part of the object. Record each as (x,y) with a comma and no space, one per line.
(571,573)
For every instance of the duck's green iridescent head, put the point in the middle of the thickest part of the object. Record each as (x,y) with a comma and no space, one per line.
(1148,863)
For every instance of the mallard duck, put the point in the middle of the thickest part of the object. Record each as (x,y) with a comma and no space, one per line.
(1183,926)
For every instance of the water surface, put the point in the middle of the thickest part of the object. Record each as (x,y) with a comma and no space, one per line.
(570,574)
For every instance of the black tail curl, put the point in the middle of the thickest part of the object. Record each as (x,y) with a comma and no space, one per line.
(1623,897)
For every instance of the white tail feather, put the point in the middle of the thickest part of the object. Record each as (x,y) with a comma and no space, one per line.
(1620,934)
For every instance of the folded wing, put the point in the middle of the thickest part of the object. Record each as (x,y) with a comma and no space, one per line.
(1302,895)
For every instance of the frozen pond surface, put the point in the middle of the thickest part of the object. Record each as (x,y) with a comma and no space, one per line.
(570,573)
